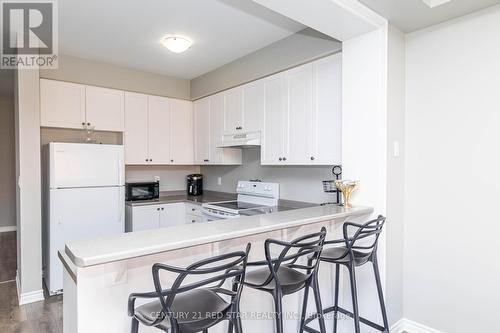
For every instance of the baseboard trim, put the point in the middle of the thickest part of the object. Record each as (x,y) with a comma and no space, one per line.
(406,325)
(8,228)
(31,297)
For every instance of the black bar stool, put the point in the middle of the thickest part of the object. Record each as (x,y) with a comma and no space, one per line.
(285,274)
(358,250)
(196,306)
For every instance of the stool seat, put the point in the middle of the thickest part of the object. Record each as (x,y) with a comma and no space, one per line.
(340,255)
(290,279)
(190,308)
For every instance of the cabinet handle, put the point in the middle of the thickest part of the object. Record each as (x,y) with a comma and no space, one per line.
(284,158)
(162,208)
(158,209)
(281,159)
(205,160)
(239,128)
(312,158)
(192,209)
(193,221)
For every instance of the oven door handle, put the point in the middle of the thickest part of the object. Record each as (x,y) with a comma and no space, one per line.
(208,213)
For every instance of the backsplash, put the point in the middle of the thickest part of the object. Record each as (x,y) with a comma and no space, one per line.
(301,183)
(172,178)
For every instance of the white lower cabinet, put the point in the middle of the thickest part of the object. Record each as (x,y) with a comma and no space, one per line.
(172,214)
(147,217)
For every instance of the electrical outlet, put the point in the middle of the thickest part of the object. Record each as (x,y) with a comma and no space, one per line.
(219,181)
(157,178)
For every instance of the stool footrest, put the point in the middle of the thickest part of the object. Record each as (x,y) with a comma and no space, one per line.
(345,312)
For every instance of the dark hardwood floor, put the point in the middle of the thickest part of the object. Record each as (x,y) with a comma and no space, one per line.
(39,317)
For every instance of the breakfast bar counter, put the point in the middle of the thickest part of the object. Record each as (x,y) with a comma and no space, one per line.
(100,273)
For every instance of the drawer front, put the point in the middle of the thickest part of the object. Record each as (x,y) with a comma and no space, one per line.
(193,219)
(193,209)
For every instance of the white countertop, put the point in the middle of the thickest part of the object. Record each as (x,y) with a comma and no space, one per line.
(129,245)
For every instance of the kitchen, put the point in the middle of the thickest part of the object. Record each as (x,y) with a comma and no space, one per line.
(217,129)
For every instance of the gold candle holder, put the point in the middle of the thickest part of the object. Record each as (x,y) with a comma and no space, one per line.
(346,187)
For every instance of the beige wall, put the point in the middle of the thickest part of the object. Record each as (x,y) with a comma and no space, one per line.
(296,49)
(7,163)
(90,72)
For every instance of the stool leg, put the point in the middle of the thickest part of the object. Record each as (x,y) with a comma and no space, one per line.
(319,306)
(135,326)
(304,308)
(380,293)
(336,300)
(355,309)
(278,295)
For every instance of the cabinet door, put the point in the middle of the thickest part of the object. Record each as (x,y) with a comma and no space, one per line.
(299,87)
(274,121)
(253,106)
(145,217)
(105,109)
(62,104)
(326,147)
(136,128)
(159,130)
(216,127)
(202,131)
(181,132)
(233,110)
(172,214)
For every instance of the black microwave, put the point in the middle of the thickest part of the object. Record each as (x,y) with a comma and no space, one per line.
(142,191)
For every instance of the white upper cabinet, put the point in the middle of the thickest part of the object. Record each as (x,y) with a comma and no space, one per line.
(202,131)
(253,106)
(216,127)
(299,89)
(273,135)
(105,108)
(233,110)
(181,132)
(159,130)
(326,146)
(302,115)
(136,129)
(62,104)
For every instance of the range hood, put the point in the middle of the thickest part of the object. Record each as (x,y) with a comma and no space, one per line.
(241,140)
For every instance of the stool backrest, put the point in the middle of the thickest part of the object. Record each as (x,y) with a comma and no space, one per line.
(293,252)
(221,268)
(364,236)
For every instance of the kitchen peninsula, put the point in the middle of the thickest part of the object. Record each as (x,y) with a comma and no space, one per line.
(101,273)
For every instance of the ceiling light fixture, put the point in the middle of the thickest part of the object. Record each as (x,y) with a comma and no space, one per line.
(435,3)
(176,44)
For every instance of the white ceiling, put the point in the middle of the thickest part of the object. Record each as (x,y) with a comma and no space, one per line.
(411,15)
(127,32)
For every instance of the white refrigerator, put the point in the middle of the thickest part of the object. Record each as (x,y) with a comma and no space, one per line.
(84,198)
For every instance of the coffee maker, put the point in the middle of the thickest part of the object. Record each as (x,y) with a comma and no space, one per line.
(195,184)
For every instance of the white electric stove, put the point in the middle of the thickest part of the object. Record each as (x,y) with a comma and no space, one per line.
(254,198)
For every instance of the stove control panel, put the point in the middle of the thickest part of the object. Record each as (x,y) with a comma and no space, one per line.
(259,189)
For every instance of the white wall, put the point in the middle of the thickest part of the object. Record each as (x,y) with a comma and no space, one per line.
(172,178)
(395,174)
(452,175)
(296,183)
(299,48)
(28,193)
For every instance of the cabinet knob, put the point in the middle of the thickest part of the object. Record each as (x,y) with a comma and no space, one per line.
(147,160)
(192,209)
(88,124)
(284,158)
(193,221)
(150,160)
(239,128)
(205,160)
(83,124)
(158,209)
(172,161)
(281,159)
(312,158)
(162,208)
